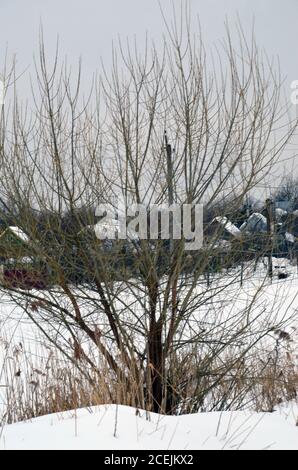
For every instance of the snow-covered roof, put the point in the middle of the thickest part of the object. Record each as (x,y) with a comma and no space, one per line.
(222,244)
(289,237)
(24,260)
(280,213)
(255,223)
(228,226)
(18,233)
(108,229)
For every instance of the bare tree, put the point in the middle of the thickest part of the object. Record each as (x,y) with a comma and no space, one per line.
(169,338)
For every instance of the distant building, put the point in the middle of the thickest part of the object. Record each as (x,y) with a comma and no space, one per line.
(14,243)
(223,228)
(256,223)
(19,268)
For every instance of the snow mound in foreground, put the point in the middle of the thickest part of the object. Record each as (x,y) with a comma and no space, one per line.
(111,427)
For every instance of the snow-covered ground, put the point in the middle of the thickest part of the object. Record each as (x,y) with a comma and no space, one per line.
(121,427)
(111,427)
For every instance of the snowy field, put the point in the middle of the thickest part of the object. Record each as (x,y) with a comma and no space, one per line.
(112,427)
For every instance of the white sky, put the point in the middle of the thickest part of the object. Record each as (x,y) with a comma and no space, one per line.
(87,27)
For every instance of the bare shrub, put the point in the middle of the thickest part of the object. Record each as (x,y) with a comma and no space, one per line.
(159,127)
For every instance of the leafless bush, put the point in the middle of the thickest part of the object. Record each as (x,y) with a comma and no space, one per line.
(225,127)
(44,382)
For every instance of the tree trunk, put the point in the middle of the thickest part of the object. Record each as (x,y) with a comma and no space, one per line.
(155,351)
(156,365)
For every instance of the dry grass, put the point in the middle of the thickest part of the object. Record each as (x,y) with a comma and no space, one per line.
(43,382)
(258,381)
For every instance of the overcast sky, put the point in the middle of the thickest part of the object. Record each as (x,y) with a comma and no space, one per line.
(87,27)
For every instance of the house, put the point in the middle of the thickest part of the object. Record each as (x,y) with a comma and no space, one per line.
(14,243)
(223,228)
(108,230)
(280,215)
(256,223)
(18,266)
